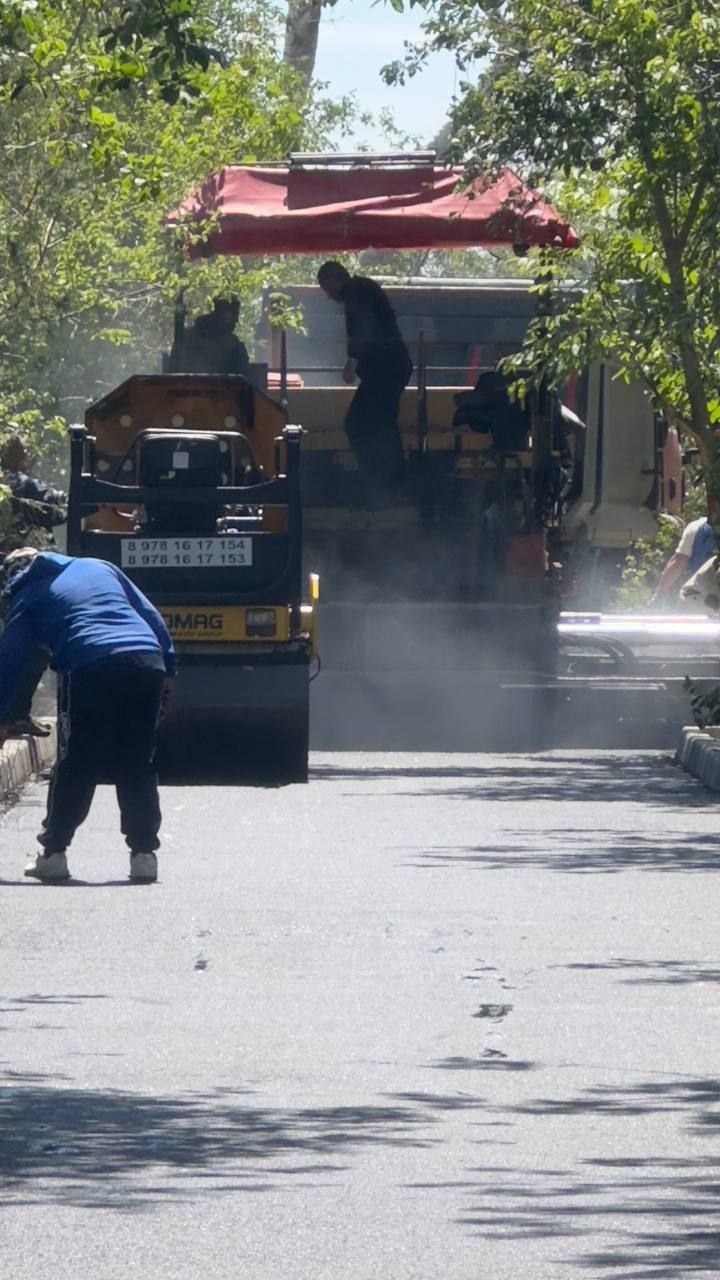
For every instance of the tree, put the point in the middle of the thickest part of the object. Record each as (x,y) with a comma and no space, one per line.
(162,39)
(614,106)
(301,37)
(95,151)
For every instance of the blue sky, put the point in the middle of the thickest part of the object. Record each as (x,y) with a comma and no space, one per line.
(357,38)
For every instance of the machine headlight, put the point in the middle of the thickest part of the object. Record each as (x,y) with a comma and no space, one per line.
(260,622)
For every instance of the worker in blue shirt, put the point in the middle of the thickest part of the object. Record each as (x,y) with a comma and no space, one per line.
(117,657)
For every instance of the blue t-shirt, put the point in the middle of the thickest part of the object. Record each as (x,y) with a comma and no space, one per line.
(704,546)
(82,610)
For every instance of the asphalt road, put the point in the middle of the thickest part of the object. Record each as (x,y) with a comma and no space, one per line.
(429,1016)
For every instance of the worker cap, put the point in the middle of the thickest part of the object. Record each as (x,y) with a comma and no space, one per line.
(15,563)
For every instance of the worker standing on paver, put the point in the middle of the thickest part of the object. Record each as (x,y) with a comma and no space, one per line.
(378,357)
(115,651)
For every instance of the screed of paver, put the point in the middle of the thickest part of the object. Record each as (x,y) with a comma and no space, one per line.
(428,1016)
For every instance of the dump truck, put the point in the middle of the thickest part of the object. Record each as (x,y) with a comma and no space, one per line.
(190,483)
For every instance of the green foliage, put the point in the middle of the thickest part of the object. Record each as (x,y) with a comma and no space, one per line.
(5,513)
(165,40)
(644,564)
(95,152)
(282,313)
(613,107)
(441,264)
(646,560)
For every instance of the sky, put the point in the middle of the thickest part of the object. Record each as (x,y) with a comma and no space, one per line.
(357,38)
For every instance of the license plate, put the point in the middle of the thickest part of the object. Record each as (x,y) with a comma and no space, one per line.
(185,553)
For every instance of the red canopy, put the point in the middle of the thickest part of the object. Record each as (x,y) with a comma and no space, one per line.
(334,210)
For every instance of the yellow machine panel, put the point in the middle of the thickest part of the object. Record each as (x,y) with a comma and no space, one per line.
(207,624)
(192,402)
(322,410)
(187,402)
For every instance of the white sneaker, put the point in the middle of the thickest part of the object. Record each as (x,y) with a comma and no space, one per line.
(48,867)
(143,868)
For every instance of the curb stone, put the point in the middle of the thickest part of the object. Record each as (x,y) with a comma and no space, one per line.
(699,753)
(21,759)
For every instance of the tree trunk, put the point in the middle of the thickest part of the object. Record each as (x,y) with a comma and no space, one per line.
(698,424)
(301,37)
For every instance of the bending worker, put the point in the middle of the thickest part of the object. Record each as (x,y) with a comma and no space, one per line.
(378,357)
(115,651)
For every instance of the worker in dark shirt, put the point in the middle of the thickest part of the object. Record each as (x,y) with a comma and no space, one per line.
(211,345)
(116,656)
(379,359)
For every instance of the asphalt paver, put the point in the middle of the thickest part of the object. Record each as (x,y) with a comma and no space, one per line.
(428,1016)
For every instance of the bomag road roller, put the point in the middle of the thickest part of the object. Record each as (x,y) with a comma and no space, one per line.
(190,484)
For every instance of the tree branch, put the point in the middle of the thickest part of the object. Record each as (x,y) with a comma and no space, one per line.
(45,242)
(679,311)
(692,212)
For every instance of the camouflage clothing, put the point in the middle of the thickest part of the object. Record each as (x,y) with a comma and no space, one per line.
(36,509)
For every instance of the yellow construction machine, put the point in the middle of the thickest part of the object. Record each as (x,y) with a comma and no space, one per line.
(191,484)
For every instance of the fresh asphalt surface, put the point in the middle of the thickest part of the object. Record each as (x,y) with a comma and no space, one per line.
(428,1016)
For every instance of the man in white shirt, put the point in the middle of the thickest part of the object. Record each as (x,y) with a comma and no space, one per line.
(697,544)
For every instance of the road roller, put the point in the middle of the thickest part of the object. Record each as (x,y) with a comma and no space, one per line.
(190,483)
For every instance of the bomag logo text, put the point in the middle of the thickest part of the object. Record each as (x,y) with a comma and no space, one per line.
(194,621)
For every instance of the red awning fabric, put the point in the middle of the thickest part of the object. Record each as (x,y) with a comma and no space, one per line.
(335,210)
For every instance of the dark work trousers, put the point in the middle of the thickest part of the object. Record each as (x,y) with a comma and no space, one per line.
(30,677)
(108,719)
(372,429)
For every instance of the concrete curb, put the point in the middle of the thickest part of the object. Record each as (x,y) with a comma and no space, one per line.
(21,759)
(699,753)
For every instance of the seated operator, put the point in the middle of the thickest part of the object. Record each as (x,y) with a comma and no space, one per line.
(489,410)
(211,345)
